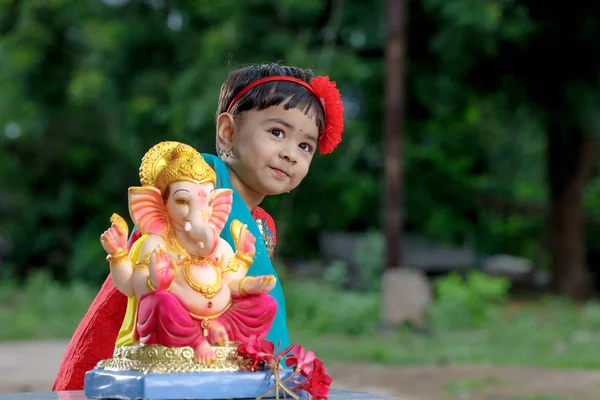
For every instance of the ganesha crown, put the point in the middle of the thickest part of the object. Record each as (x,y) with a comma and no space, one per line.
(169,162)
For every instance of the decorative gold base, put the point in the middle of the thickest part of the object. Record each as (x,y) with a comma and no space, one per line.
(160,359)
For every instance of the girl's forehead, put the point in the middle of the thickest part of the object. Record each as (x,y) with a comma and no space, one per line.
(279,113)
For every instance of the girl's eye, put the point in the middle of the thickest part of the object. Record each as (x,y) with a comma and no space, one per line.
(306,147)
(182,202)
(277,132)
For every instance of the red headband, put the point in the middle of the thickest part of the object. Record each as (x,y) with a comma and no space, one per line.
(328,94)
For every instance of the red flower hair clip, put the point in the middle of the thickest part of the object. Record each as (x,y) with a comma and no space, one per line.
(331,100)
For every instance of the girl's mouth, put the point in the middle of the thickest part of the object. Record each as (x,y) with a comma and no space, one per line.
(281,174)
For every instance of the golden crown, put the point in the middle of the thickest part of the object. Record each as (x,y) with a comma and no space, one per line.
(169,162)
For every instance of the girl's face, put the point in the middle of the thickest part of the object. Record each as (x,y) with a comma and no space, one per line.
(272,148)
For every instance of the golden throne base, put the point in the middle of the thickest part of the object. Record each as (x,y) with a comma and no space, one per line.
(160,359)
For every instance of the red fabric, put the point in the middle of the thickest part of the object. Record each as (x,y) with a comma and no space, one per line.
(249,316)
(95,337)
(134,237)
(259,213)
(164,319)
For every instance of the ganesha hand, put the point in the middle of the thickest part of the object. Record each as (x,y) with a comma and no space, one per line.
(244,242)
(162,269)
(256,285)
(114,240)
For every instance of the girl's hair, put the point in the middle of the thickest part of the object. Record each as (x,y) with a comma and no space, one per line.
(270,93)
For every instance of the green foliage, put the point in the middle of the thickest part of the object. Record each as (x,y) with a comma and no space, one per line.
(335,274)
(42,308)
(87,87)
(369,255)
(468,303)
(321,309)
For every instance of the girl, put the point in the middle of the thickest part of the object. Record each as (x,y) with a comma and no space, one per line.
(270,121)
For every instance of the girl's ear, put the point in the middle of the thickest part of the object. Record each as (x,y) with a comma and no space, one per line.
(225,127)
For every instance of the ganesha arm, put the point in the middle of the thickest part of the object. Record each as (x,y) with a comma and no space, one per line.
(235,265)
(242,285)
(142,281)
(233,273)
(144,277)
(121,271)
(119,258)
(245,249)
(129,277)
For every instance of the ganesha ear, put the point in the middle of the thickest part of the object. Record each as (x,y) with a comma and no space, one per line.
(221,207)
(147,210)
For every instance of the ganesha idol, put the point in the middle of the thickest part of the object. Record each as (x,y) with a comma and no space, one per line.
(189,300)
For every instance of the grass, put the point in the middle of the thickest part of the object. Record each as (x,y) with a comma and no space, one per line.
(497,347)
(548,333)
(42,309)
(342,326)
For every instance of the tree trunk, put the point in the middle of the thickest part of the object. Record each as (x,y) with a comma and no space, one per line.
(571,157)
(394,130)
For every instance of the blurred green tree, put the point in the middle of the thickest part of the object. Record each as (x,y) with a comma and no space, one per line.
(88,86)
(542,61)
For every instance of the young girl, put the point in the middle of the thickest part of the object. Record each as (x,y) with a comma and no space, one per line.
(271,119)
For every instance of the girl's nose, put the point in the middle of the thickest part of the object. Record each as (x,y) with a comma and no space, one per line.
(288,155)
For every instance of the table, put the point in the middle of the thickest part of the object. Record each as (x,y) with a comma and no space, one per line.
(335,394)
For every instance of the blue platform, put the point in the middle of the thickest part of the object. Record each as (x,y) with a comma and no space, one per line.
(335,394)
(131,385)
